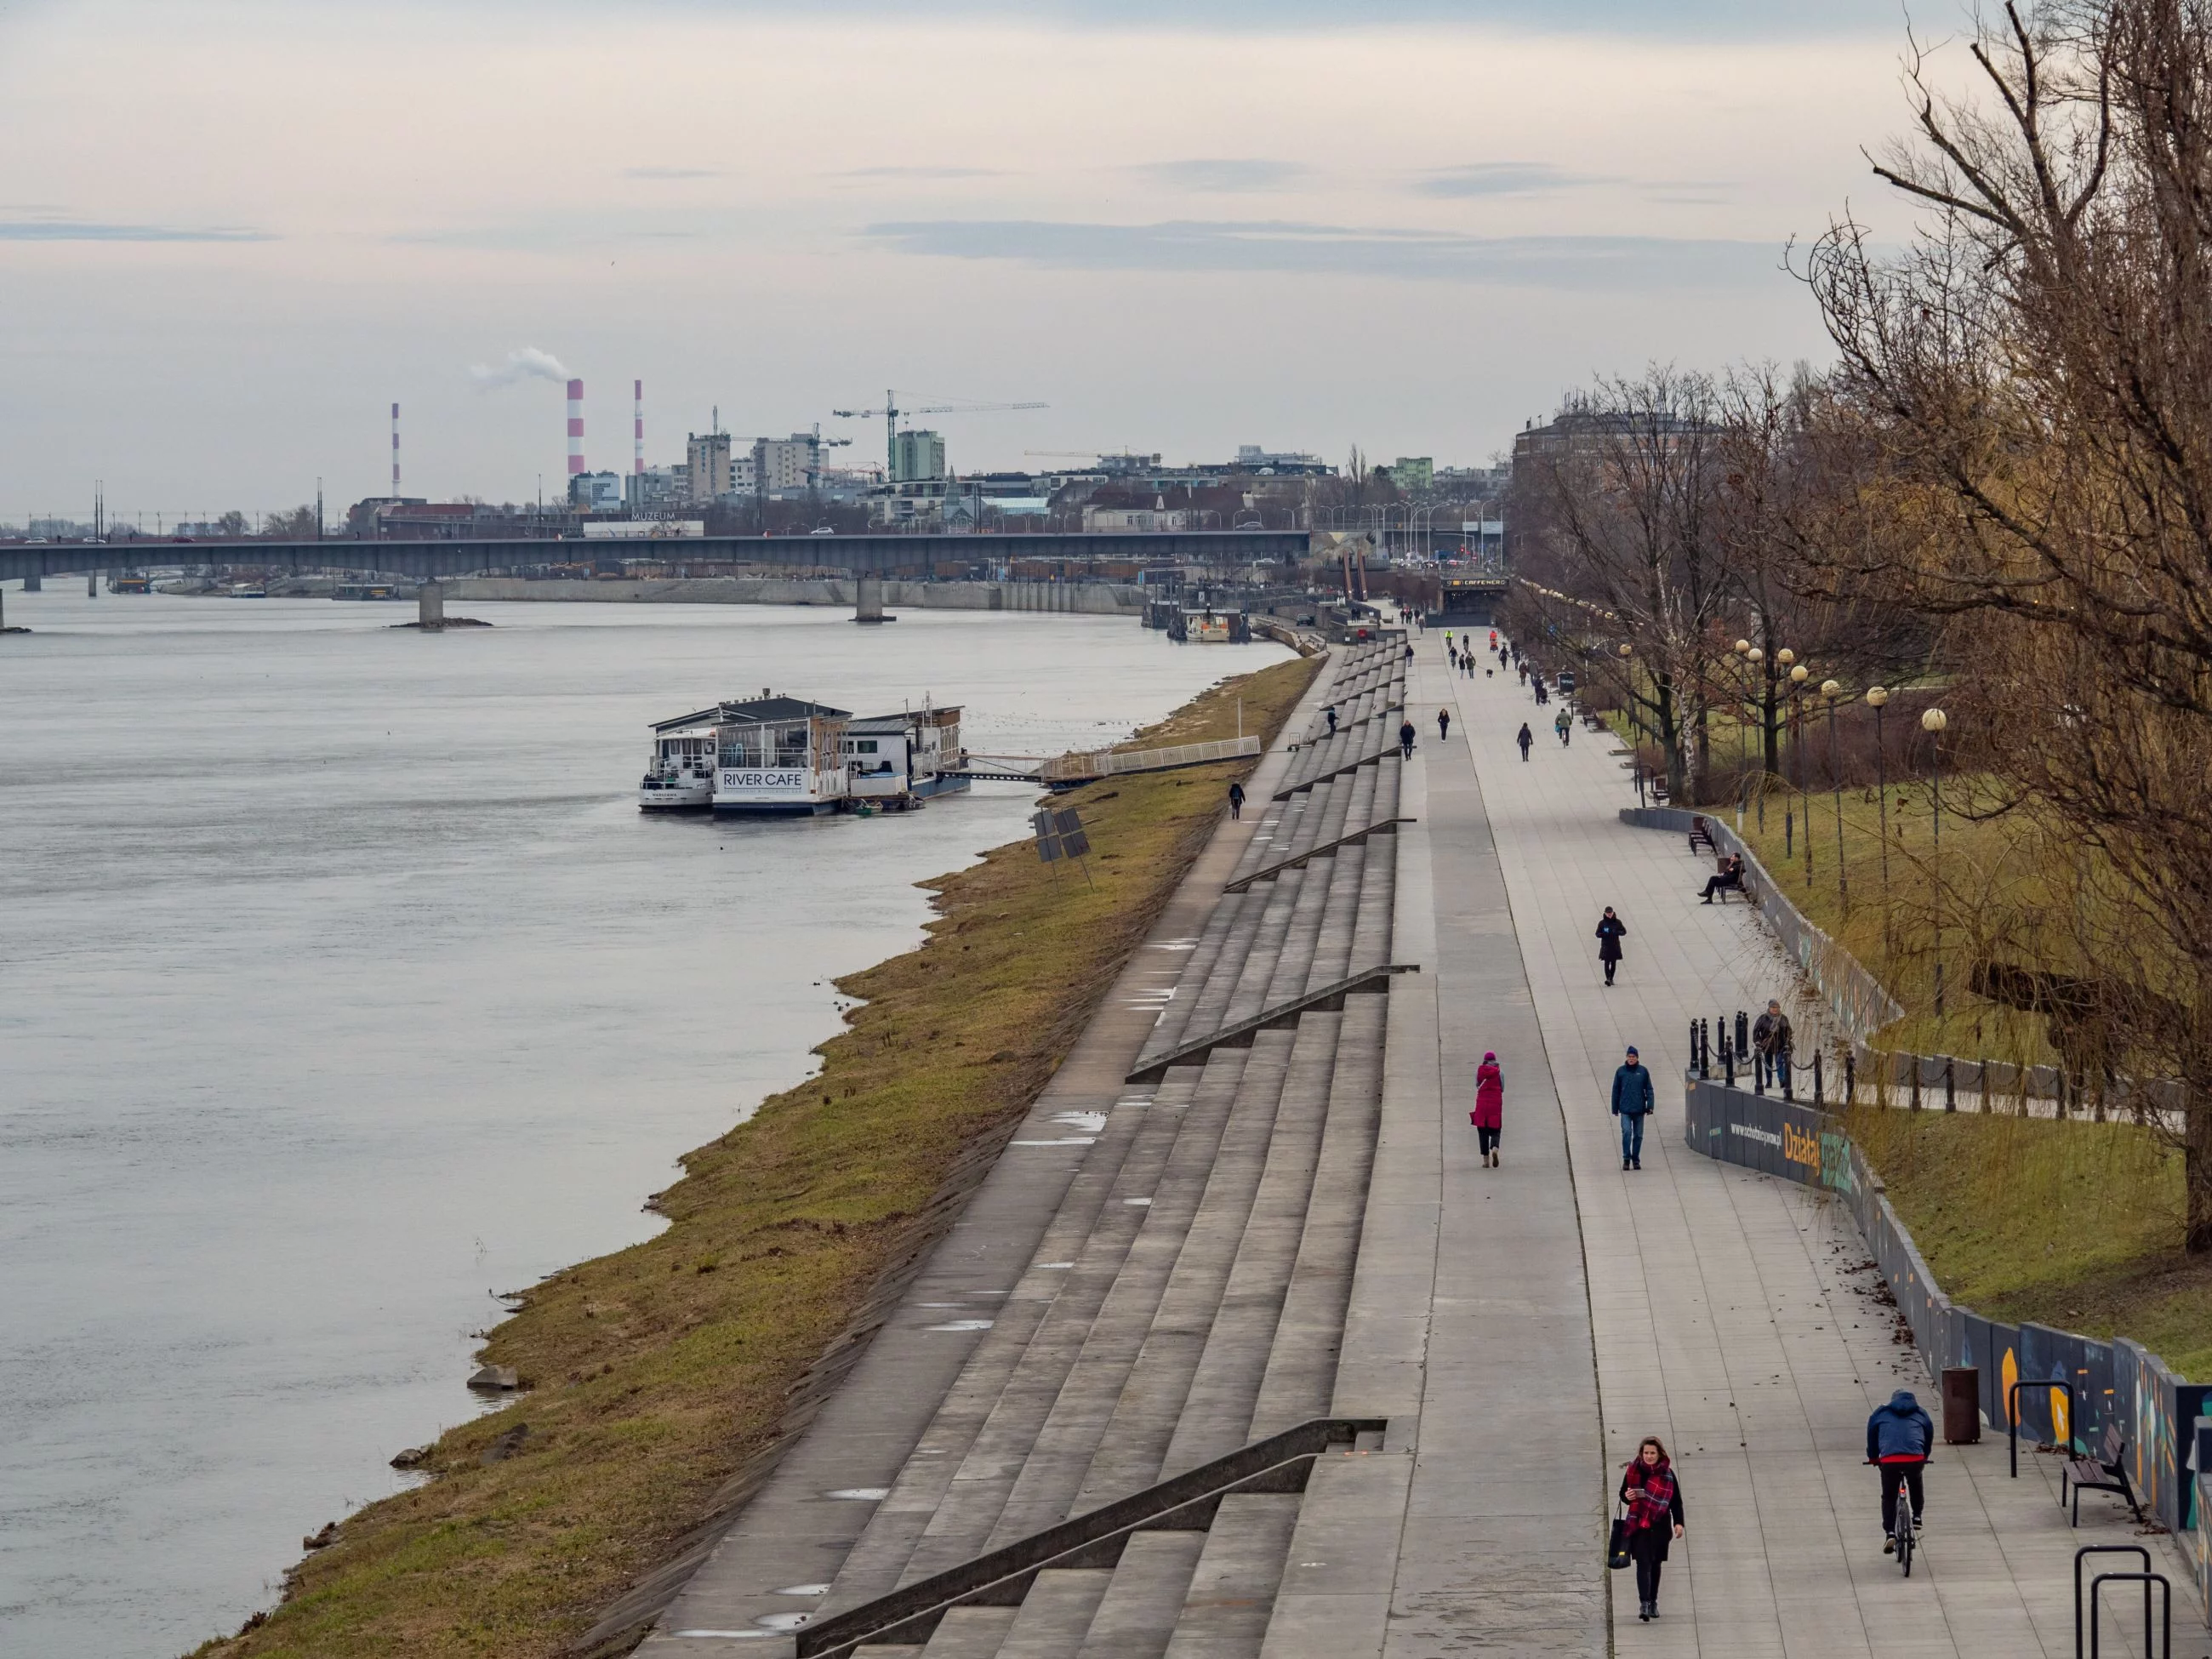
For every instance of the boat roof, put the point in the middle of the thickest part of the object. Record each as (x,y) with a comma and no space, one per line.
(879,724)
(755,711)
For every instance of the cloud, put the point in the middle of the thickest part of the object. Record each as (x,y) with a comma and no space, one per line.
(86,230)
(672,173)
(1223,177)
(523,363)
(921,173)
(1500,178)
(1609,263)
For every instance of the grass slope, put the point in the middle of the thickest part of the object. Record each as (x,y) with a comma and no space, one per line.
(660,1372)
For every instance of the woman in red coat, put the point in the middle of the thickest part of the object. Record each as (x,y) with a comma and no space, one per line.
(1489,1107)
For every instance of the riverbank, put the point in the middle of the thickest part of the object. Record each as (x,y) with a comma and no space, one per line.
(660,1377)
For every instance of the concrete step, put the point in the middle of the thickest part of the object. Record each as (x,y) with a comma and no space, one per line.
(970,1633)
(1213,940)
(1136,1616)
(1056,1614)
(1232,1589)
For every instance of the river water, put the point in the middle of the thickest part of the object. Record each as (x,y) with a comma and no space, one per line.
(342,984)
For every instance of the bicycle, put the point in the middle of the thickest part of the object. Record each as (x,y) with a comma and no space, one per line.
(1902,1531)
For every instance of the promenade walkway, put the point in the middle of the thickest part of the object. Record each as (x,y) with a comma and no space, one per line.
(1724,1313)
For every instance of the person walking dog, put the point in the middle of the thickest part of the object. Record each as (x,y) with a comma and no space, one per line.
(1489,1113)
(1633,1102)
(1610,929)
(1652,1498)
(1527,740)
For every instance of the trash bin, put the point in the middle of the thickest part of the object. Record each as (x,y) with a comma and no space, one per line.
(1962,1405)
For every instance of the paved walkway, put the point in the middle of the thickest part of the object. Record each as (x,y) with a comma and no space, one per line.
(1723,1311)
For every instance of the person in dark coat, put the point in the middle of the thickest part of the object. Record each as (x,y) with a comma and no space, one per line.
(1406,736)
(1900,1436)
(1653,1497)
(1772,1040)
(1526,739)
(1610,930)
(1236,800)
(1633,1102)
(1331,719)
(1443,724)
(1489,1113)
(1728,879)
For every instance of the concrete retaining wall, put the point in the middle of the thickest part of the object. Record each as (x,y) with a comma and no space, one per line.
(1081,599)
(2117,1381)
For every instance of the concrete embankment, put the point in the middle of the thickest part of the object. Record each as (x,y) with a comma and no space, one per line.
(1086,599)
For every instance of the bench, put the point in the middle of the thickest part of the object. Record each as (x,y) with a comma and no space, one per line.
(1701,835)
(2105,1470)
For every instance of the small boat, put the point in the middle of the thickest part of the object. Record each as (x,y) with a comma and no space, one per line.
(780,755)
(680,777)
(904,759)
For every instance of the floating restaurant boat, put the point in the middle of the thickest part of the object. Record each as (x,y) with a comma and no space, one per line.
(780,755)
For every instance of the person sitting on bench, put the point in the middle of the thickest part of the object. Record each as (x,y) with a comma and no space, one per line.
(1727,878)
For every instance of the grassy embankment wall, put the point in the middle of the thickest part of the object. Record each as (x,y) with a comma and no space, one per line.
(662,1379)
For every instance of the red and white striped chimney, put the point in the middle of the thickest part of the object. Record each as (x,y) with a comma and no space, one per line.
(575,428)
(395,449)
(637,408)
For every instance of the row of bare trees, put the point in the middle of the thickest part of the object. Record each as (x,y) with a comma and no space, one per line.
(2002,487)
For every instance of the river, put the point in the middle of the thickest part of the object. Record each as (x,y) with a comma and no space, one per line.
(343,984)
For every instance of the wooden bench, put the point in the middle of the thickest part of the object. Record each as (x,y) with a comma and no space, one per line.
(2105,1470)
(1701,835)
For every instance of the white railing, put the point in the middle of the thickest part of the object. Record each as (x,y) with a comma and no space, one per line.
(1107,762)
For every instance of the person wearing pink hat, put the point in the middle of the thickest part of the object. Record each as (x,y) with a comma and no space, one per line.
(1488,1115)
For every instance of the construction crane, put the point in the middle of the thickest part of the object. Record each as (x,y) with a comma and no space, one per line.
(890,411)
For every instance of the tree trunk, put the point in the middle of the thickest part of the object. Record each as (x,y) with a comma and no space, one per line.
(1671,735)
(2197,1173)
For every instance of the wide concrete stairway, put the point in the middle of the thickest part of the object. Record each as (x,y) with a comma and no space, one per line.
(1079,1492)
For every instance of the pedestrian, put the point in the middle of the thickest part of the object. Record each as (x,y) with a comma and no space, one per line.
(1236,800)
(1633,1102)
(1610,932)
(1770,1042)
(1563,724)
(1406,736)
(1488,1115)
(1331,719)
(1443,724)
(1652,1498)
(1527,740)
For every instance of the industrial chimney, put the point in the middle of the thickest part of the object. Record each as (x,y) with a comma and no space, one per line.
(575,428)
(395,451)
(637,409)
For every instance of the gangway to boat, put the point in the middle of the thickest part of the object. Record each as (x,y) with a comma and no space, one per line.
(1087,766)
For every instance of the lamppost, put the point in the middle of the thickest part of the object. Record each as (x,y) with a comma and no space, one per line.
(1635,719)
(1742,741)
(1932,721)
(1756,658)
(1798,676)
(1877,699)
(1832,692)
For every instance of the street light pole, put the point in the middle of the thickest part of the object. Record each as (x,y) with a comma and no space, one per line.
(1742,738)
(1878,698)
(1932,722)
(1635,719)
(1831,690)
(1757,659)
(1798,676)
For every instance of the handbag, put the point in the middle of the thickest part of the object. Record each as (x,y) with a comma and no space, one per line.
(1616,1547)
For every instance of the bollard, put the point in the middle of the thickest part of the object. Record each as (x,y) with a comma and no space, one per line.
(1759,1074)
(1786,1069)
(1742,1030)
(1817,1099)
(1728,1059)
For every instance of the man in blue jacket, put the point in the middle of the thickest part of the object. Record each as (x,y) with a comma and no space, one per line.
(1900,1436)
(1632,1104)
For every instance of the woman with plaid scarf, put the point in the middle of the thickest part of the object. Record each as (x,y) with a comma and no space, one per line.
(1653,1500)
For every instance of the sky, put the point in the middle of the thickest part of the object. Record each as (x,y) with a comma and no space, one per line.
(233,233)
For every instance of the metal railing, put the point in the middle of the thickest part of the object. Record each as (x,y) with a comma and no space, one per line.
(1110,763)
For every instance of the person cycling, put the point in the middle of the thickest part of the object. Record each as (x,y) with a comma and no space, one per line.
(1900,1436)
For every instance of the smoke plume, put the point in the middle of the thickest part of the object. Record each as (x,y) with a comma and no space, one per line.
(524,363)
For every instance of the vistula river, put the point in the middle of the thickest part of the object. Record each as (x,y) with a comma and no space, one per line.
(342,983)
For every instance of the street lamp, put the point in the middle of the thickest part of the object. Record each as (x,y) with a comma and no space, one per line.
(1742,743)
(1877,699)
(1832,692)
(1932,721)
(1757,657)
(1798,676)
(1635,721)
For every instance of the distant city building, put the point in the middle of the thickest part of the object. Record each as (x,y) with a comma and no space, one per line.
(657,490)
(707,466)
(596,492)
(1250,457)
(1139,519)
(1474,481)
(1413,472)
(917,456)
(783,466)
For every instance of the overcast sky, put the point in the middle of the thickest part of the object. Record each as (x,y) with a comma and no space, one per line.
(232,233)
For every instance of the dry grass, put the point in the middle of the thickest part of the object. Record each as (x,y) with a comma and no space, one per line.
(657,1372)
(2073,1224)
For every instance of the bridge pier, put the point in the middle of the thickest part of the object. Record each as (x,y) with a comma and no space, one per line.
(868,594)
(32,583)
(430,607)
(92,584)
